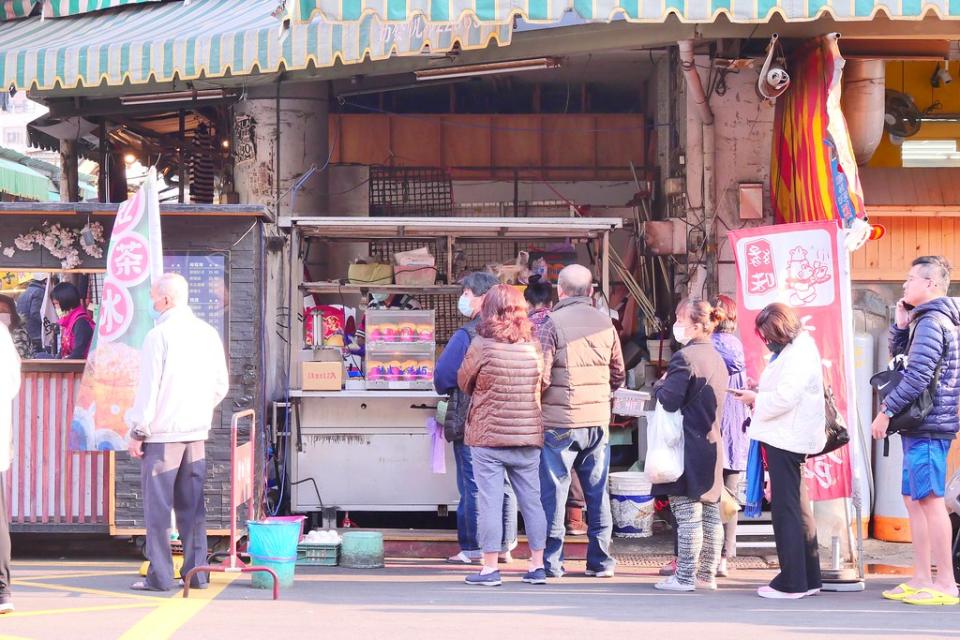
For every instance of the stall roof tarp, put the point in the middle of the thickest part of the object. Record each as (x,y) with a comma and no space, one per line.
(23,182)
(209,38)
(742,11)
(66,8)
(16,9)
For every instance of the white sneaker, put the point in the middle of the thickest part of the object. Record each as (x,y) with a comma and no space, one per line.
(813,592)
(722,569)
(6,607)
(769,592)
(709,585)
(606,573)
(460,558)
(672,584)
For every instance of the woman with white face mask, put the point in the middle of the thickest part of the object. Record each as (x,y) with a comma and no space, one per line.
(695,385)
(11,320)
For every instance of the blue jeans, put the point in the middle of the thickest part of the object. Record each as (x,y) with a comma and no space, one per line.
(586,451)
(468,518)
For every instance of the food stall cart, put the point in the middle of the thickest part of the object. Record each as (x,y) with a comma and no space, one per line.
(369,449)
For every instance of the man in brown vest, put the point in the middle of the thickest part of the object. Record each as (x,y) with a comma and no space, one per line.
(582,350)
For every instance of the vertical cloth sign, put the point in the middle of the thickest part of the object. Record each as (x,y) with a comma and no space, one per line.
(109,383)
(813,171)
(804,266)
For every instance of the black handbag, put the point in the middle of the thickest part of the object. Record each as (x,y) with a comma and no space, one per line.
(835,425)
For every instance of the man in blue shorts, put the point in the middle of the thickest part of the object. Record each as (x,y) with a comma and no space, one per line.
(933,346)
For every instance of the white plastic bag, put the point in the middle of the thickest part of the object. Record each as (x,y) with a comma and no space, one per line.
(664,462)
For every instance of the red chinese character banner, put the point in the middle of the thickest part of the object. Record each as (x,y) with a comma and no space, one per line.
(802,265)
(109,383)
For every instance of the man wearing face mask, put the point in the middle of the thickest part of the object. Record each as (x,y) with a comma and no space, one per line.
(183,377)
(582,351)
(475,287)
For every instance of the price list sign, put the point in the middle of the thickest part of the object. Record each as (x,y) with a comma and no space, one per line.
(206,274)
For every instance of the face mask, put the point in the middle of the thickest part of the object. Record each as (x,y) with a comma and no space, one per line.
(680,334)
(154,314)
(6,319)
(465,306)
(775,348)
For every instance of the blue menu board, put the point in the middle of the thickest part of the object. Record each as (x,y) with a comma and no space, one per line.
(206,273)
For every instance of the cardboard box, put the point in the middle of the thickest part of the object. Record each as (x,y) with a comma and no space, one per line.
(322,376)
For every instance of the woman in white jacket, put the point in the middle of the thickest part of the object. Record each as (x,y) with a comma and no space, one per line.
(9,388)
(788,419)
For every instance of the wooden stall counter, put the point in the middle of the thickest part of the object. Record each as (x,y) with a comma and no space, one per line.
(50,488)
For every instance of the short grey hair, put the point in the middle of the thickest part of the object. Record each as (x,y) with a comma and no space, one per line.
(937,268)
(479,282)
(173,286)
(576,280)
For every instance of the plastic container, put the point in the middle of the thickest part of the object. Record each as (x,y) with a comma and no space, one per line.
(297,519)
(631,504)
(362,550)
(317,555)
(391,326)
(400,366)
(273,545)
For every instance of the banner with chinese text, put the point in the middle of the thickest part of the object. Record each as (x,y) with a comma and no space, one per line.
(802,265)
(109,383)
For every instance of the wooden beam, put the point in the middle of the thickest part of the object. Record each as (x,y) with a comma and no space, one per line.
(69,176)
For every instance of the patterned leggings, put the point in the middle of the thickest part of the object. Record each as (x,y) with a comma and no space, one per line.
(699,537)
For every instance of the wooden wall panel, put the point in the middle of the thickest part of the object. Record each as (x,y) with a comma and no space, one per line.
(517,142)
(906,238)
(417,142)
(530,143)
(569,141)
(621,138)
(365,139)
(468,144)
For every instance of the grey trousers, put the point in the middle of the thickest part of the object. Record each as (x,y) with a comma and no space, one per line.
(522,466)
(171,477)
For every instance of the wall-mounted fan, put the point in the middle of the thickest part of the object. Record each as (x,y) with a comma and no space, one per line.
(901,117)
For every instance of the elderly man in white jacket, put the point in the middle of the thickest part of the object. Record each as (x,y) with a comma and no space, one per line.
(9,388)
(183,377)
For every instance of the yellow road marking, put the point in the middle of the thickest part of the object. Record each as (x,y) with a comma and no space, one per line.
(105,607)
(95,592)
(57,575)
(71,563)
(165,620)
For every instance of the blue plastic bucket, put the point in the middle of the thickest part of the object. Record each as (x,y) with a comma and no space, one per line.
(273,544)
(631,504)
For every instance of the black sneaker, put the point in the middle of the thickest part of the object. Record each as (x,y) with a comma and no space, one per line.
(536,576)
(491,579)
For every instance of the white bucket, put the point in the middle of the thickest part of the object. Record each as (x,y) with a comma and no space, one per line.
(631,504)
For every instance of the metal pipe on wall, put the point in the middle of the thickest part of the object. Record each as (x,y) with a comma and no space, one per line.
(701,142)
(863,103)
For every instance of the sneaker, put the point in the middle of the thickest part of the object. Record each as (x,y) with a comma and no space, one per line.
(813,592)
(460,558)
(722,569)
(708,585)
(603,573)
(535,576)
(491,579)
(669,569)
(672,584)
(769,592)
(6,607)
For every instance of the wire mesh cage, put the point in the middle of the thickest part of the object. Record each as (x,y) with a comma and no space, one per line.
(410,192)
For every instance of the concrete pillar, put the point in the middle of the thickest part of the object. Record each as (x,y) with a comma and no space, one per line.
(278,135)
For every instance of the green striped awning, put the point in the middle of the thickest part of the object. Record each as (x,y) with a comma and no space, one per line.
(65,8)
(743,11)
(209,38)
(23,182)
(14,9)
